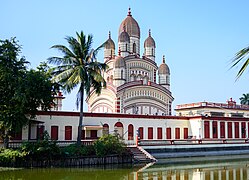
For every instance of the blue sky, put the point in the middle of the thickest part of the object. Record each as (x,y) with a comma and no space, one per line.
(198,38)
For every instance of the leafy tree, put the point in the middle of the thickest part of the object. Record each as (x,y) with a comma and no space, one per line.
(242,55)
(78,67)
(22,91)
(244,99)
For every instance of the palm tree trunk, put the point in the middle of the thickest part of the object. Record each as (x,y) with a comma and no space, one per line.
(81,115)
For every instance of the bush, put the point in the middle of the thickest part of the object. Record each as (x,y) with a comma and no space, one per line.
(109,144)
(9,155)
(73,150)
(43,149)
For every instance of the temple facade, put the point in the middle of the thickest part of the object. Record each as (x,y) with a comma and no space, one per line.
(132,86)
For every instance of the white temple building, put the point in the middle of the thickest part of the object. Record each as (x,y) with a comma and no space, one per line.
(132,86)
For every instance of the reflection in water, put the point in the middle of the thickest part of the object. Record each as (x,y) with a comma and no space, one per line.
(235,170)
(229,170)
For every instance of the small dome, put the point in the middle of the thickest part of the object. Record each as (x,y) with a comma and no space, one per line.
(163,68)
(109,43)
(119,62)
(131,26)
(149,42)
(124,37)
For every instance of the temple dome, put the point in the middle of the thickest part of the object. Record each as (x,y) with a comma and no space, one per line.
(119,62)
(149,42)
(163,68)
(124,37)
(131,26)
(109,43)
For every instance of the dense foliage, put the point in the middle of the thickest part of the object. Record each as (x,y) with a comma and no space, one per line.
(22,91)
(49,150)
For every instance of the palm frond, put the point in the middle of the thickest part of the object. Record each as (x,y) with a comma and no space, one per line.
(242,55)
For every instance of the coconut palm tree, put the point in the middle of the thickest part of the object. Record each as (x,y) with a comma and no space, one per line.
(242,55)
(244,99)
(78,67)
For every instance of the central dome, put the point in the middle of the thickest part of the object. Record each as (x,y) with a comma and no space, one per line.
(131,26)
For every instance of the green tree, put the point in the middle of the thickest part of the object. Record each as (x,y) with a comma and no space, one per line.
(22,91)
(244,99)
(240,56)
(79,67)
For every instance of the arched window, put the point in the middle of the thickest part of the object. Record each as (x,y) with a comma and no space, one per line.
(122,76)
(111,52)
(118,129)
(152,52)
(134,47)
(126,47)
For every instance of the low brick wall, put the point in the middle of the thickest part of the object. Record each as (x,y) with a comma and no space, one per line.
(72,162)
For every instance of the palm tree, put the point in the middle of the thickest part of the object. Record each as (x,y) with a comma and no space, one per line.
(78,67)
(242,55)
(244,99)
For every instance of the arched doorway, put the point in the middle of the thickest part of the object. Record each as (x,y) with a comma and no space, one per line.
(105,129)
(119,129)
(130,132)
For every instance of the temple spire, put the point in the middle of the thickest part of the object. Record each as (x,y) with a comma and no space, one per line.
(163,58)
(129,12)
(109,34)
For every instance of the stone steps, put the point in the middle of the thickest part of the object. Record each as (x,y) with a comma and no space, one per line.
(140,155)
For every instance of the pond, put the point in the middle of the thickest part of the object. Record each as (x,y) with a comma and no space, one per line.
(233,169)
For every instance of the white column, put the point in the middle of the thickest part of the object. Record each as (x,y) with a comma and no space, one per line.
(241,174)
(233,130)
(226,135)
(181,175)
(218,129)
(246,129)
(227,174)
(211,129)
(240,133)
(202,129)
(219,175)
(212,175)
(234,174)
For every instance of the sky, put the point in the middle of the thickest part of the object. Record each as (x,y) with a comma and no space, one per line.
(198,38)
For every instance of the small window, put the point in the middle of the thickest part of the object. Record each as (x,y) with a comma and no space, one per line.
(134,47)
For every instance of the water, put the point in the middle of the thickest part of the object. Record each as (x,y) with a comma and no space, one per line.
(227,170)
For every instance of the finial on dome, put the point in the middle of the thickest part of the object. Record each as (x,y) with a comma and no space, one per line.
(119,51)
(149,32)
(129,11)
(109,35)
(163,58)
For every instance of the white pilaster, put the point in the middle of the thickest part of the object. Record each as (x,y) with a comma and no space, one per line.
(233,130)
(240,133)
(226,132)
(211,129)
(246,129)
(234,174)
(218,129)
